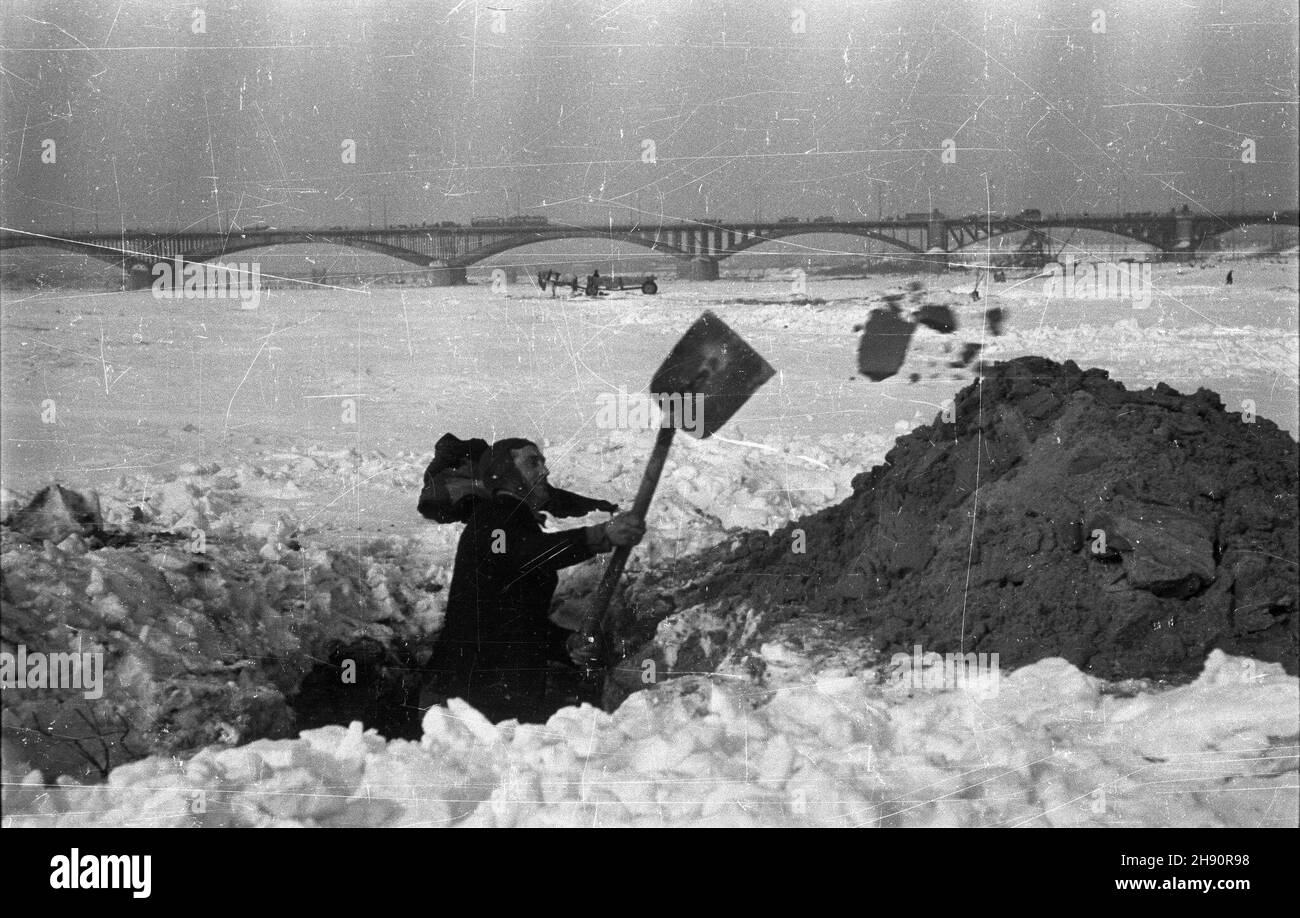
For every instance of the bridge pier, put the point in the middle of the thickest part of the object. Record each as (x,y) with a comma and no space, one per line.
(1181,248)
(700,268)
(935,261)
(136,275)
(439,275)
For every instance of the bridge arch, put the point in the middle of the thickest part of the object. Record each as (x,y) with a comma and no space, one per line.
(111,256)
(52,265)
(1004,230)
(244,243)
(1218,228)
(806,230)
(532,237)
(233,245)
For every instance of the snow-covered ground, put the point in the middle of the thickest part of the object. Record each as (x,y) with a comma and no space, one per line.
(1051,748)
(315,414)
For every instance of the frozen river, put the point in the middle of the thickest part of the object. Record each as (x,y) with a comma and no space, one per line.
(140,386)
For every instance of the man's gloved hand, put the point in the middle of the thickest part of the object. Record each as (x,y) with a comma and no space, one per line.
(625,529)
(582,650)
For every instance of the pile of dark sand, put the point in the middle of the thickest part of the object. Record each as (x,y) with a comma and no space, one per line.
(1052,514)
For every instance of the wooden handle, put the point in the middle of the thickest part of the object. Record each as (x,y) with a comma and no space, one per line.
(595,616)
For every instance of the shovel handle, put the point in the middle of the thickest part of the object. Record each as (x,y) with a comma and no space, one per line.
(595,616)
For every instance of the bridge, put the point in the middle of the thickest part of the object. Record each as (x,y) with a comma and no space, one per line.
(444,251)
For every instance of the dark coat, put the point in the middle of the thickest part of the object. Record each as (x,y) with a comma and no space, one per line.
(494,646)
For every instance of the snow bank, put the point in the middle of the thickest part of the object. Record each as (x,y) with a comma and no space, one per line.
(711,491)
(1051,747)
(216,590)
(209,610)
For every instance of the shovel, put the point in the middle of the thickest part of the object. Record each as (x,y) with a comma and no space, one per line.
(707,377)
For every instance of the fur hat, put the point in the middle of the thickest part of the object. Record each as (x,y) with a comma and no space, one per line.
(497,468)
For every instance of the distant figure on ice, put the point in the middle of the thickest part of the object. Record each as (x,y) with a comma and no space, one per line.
(550,277)
(593,284)
(494,648)
(1229,279)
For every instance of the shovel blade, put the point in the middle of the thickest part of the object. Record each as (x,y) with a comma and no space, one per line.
(708,376)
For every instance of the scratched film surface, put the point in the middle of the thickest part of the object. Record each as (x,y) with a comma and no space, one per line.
(1009,536)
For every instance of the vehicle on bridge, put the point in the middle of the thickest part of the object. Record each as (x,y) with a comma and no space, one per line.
(822,220)
(1030,213)
(788,220)
(486,221)
(527,220)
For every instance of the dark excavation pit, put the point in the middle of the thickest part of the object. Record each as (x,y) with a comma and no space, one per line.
(388,688)
(362,680)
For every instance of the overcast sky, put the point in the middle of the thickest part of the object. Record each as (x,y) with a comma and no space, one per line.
(544,107)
